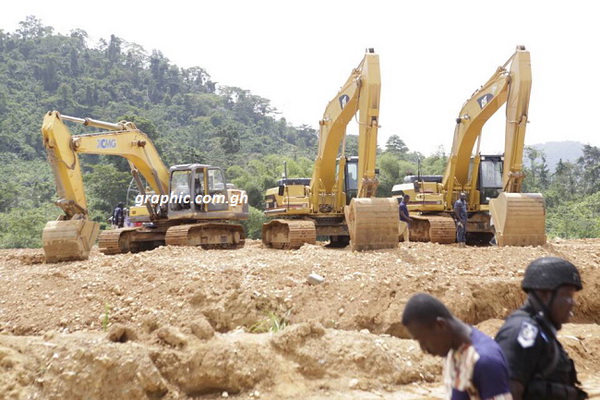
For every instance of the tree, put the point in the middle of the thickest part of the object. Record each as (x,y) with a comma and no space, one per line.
(106,186)
(229,138)
(113,51)
(351,145)
(563,186)
(590,165)
(396,145)
(543,172)
(435,164)
(33,28)
(253,226)
(389,174)
(531,182)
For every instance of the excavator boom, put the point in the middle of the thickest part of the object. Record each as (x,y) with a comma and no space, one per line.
(72,236)
(519,218)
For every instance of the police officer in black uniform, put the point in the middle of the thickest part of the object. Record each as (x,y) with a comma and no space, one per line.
(539,366)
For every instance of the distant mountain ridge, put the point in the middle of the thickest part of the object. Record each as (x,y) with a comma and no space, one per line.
(567,150)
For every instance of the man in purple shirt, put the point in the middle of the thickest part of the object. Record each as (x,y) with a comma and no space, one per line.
(475,367)
(405,219)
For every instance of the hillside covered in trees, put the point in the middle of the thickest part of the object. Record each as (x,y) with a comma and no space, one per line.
(191,118)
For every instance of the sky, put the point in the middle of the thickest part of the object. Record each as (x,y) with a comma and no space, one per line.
(433,55)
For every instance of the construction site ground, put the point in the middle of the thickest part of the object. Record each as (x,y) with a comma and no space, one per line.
(185,323)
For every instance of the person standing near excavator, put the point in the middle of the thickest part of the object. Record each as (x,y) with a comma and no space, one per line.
(460,217)
(539,366)
(118,217)
(405,219)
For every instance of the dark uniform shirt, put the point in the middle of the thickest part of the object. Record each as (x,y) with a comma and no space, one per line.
(403,209)
(460,208)
(536,357)
(118,217)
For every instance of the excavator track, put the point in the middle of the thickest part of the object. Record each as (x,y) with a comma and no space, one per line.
(433,228)
(116,241)
(288,234)
(519,219)
(372,223)
(209,235)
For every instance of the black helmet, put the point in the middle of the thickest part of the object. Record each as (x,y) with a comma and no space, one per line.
(549,273)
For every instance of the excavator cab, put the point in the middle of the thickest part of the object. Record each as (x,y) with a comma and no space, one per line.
(489,183)
(197,190)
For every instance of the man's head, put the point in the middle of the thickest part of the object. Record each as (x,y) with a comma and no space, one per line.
(463,196)
(428,321)
(553,281)
(406,199)
(120,204)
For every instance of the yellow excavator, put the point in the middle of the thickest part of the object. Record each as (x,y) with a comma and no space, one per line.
(190,204)
(492,183)
(339,200)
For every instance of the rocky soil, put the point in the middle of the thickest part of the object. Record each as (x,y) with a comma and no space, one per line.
(185,323)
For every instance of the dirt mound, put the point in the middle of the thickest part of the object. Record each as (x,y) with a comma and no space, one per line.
(185,322)
(303,357)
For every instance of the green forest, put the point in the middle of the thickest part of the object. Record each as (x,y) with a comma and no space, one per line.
(191,118)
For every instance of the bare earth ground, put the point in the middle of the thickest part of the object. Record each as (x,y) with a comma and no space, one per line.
(182,323)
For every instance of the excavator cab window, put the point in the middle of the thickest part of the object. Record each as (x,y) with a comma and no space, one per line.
(198,189)
(490,178)
(351,180)
(217,188)
(180,186)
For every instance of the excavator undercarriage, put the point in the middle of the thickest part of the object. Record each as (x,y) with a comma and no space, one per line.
(208,235)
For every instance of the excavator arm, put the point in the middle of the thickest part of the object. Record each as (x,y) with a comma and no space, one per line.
(73,234)
(517,110)
(512,87)
(518,218)
(359,94)
(370,223)
(473,115)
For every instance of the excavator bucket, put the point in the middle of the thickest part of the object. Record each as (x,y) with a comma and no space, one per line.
(372,223)
(519,219)
(69,240)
